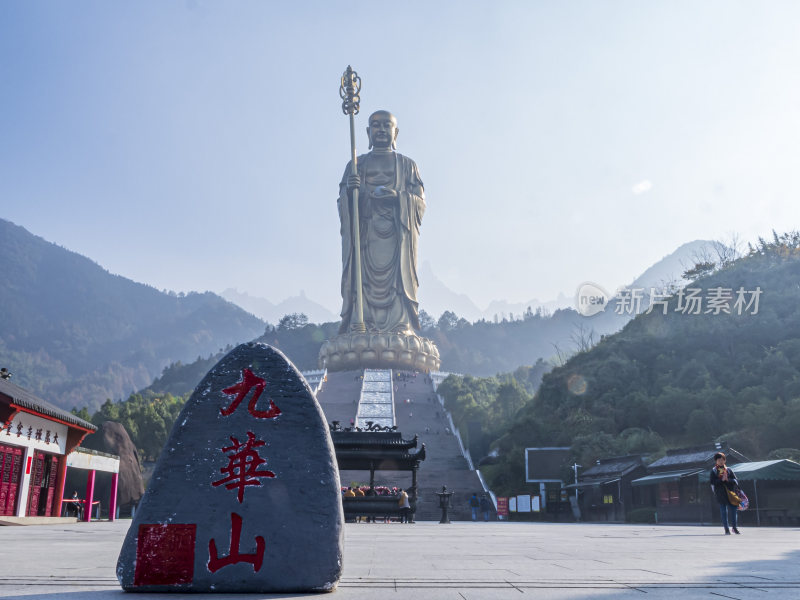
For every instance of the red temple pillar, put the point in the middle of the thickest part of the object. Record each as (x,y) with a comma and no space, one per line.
(62,477)
(87,515)
(112,502)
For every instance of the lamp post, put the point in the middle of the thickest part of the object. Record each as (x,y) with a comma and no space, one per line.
(444,504)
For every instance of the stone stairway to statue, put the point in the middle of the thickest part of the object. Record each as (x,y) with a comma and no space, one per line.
(376,405)
(416,411)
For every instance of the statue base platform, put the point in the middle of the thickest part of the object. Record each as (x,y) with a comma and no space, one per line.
(352,351)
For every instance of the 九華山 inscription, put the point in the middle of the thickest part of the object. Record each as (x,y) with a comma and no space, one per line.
(245,495)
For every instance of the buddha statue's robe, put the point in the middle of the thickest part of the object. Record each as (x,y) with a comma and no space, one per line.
(389,230)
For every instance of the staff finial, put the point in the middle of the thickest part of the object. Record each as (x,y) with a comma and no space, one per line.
(349,90)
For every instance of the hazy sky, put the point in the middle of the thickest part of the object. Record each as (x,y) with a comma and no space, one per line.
(199,145)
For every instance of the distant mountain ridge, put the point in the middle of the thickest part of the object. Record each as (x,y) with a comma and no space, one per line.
(435,297)
(76,334)
(272,313)
(669,269)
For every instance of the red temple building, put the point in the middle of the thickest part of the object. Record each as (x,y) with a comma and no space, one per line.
(36,440)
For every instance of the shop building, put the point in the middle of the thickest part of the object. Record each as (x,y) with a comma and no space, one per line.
(677,485)
(604,490)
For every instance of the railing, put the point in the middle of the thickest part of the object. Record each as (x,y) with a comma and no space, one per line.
(315,379)
(438,377)
(464,451)
(486,488)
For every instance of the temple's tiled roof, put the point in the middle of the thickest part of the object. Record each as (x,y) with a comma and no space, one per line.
(26,399)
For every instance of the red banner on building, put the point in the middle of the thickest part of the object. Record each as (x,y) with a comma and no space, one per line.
(502,507)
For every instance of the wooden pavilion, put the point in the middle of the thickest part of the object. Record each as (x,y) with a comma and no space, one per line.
(376,449)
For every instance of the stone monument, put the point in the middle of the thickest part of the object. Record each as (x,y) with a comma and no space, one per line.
(381,203)
(245,495)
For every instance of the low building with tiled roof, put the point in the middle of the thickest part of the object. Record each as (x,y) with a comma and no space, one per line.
(604,489)
(35,439)
(676,486)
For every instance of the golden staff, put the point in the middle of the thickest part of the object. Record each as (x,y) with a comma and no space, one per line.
(349,93)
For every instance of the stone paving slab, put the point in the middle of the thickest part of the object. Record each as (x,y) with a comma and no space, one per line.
(461,561)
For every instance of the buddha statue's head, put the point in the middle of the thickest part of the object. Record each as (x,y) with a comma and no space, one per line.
(382,130)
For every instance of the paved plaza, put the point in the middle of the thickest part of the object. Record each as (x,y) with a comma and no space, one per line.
(461,561)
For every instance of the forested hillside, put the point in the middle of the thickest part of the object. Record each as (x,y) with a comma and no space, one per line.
(668,380)
(147,417)
(718,360)
(486,348)
(77,335)
(483,408)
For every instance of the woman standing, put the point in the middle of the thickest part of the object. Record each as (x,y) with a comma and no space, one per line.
(722,480)
(405,506)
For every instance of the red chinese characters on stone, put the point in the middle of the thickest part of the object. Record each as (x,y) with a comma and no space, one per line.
(216,562)
(242,470)
(241,389)
(243,462)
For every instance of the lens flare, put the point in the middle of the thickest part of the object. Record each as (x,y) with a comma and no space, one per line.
(577,385)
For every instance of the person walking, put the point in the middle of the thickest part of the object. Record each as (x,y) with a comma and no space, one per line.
(474,504)
(486,507)
(724,479)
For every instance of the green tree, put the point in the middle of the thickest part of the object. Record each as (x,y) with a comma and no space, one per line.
(83,413)
(293,321)
(511,397)
(426,322)
(448,321)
